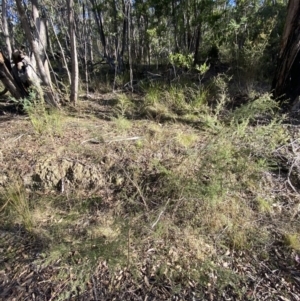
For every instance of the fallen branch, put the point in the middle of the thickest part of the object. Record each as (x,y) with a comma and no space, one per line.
(123,139)
(95,141)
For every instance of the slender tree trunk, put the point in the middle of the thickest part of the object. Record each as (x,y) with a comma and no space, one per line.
(40,34)
(129,43)
(286,81)
(62,53)
(125,26)
(197,44)
(90,38)
(85,42)
(74,59)
(98,18)
(8,81)
(174,19)
(5,28)
(115,29)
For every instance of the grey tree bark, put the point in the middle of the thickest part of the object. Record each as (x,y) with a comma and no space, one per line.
(286,80)
(38,49)
(5,28)
(64,61)
(98,18)
(74,59)
(8,80)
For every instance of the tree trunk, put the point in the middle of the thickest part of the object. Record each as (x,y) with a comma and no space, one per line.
(85,42)
(89,36)
(175,22)
(125,26)
(40,35)
(63,57)
(129,43)
(5,28)
(285,85)
(98,18)
(8,81)
(197,44)
(74,59)
(36,49)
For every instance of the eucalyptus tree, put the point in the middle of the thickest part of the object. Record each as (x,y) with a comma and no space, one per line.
(5,28)
(98,14)
(27,70)
(141,14)
(38,45)
(56,44)
(74,59)
(6,35)
(111,19)
(286,80)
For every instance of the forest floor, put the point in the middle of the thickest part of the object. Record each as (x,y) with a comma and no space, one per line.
(115,200)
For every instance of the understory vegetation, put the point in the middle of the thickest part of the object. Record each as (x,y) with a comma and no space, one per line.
(174,175)
(187,185)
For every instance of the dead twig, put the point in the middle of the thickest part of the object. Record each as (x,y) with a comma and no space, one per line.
(95,141)
(160,214)
(137,188)
(289,174)
(123,139)
(19,137)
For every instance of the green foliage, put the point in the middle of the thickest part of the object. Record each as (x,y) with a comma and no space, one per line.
(202,68)
(17,201)
(153,94)
(181,60)
(264,205)
(169,101)
(292,240)
(229,166)
(186,139)
(263,106)
(42,119)
(247,36)
(123,106)
(121,123)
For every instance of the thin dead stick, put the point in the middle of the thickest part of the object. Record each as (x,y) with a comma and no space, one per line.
(19,137)
(4,205)
(95,141)
(137,188)
(128,247)
(123,139)
(288,178)
(160,214)
(285,145)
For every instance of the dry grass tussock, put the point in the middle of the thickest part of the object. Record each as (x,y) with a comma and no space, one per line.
(166,195)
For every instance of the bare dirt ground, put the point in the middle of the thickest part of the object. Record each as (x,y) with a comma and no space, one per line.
(79,244)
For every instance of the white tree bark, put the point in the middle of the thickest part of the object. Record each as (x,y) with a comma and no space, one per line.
(5,28)
(36,49)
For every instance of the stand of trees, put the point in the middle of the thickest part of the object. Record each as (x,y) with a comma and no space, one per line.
(77,35)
